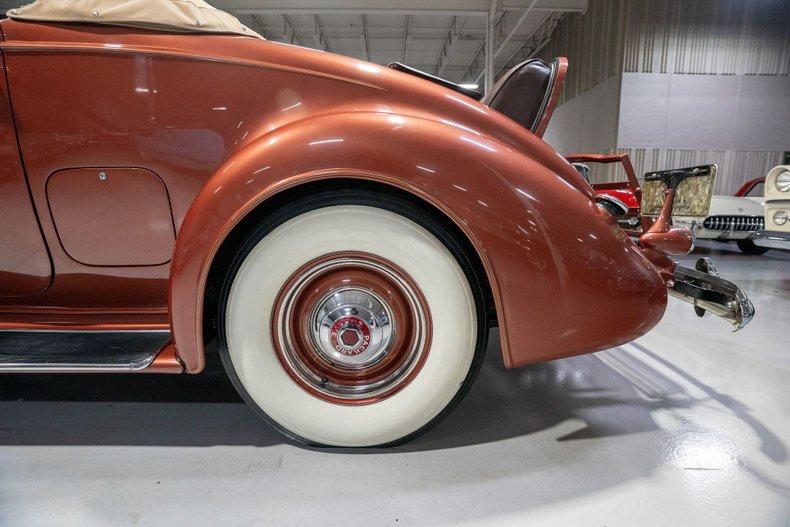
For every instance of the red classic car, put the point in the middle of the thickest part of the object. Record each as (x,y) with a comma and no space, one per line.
(623,198)
(346,233)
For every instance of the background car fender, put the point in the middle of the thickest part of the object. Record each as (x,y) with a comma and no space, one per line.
(554,261)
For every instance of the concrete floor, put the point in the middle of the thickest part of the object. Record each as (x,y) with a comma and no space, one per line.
(690,425)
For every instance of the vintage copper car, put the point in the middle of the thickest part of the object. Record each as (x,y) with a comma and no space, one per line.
(346,233)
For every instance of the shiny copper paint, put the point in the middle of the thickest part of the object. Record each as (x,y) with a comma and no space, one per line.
(112,217)
(228,122)
(25,268)
(507,204)
(366,279)
(662,236)
(166,361)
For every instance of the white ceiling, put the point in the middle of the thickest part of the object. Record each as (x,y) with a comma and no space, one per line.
(442,37)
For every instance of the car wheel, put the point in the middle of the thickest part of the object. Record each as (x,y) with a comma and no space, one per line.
(749,247)
(352,319)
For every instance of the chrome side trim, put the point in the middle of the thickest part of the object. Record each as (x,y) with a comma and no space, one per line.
(77,368)
(98,361)
(705,290)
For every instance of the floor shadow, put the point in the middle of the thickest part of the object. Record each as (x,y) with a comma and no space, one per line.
(612,392)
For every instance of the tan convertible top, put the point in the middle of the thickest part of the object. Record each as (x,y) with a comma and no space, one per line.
(188,16)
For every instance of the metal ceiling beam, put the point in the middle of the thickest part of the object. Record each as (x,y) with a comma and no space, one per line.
(407,39)
(534,43)
(448,44)
(510,34)
(490,43)
(365,46)
(294,37)
(319,35)
(260,27)
(403,7)
(476,58)
(437,33)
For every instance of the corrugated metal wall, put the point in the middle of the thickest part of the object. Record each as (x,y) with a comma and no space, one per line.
(717,37)
(735,166)
(708,37)
(593,43)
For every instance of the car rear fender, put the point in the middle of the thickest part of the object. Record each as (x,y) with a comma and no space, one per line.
(554,261)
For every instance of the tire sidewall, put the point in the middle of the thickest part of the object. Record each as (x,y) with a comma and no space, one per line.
(409,211)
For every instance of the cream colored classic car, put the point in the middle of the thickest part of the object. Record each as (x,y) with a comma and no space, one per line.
(732,218)
(777,209)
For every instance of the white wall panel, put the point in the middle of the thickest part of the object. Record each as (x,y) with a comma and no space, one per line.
(588,122)
(701,112)
(704,112)
(762,121)
(644,103)
(564,131)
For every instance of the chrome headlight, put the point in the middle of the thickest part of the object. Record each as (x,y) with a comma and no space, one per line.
(780,217)
(783,181)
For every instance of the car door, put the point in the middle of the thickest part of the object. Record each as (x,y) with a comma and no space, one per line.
(103,210)
(25,265)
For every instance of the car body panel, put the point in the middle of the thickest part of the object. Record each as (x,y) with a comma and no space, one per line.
(25,268)
(518,214)
(112,217)
(227,122)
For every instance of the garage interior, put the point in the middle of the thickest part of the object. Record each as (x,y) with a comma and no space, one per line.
(688,425)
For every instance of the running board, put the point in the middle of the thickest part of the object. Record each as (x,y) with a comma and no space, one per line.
(79,351)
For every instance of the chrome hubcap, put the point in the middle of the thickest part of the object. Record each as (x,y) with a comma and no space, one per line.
(352,328)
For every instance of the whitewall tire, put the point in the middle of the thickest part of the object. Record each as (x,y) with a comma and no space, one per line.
(348,324)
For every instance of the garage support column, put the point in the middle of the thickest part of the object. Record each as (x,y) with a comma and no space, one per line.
(490,43)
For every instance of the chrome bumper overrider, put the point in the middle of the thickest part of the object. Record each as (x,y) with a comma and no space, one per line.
(706,291)
(772,239)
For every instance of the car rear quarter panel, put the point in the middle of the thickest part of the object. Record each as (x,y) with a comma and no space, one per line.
(227,122)
(566,280)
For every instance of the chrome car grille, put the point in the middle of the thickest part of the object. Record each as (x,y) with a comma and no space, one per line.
(734,223)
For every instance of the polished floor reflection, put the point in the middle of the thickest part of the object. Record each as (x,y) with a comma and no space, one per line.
(690,425)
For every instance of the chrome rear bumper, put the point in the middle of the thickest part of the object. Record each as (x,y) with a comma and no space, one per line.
(708,292)
(772,239)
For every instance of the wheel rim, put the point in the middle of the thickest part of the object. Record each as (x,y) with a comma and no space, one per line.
(351,328)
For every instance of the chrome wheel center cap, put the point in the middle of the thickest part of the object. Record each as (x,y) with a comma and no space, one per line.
(352,328)
(349,335)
